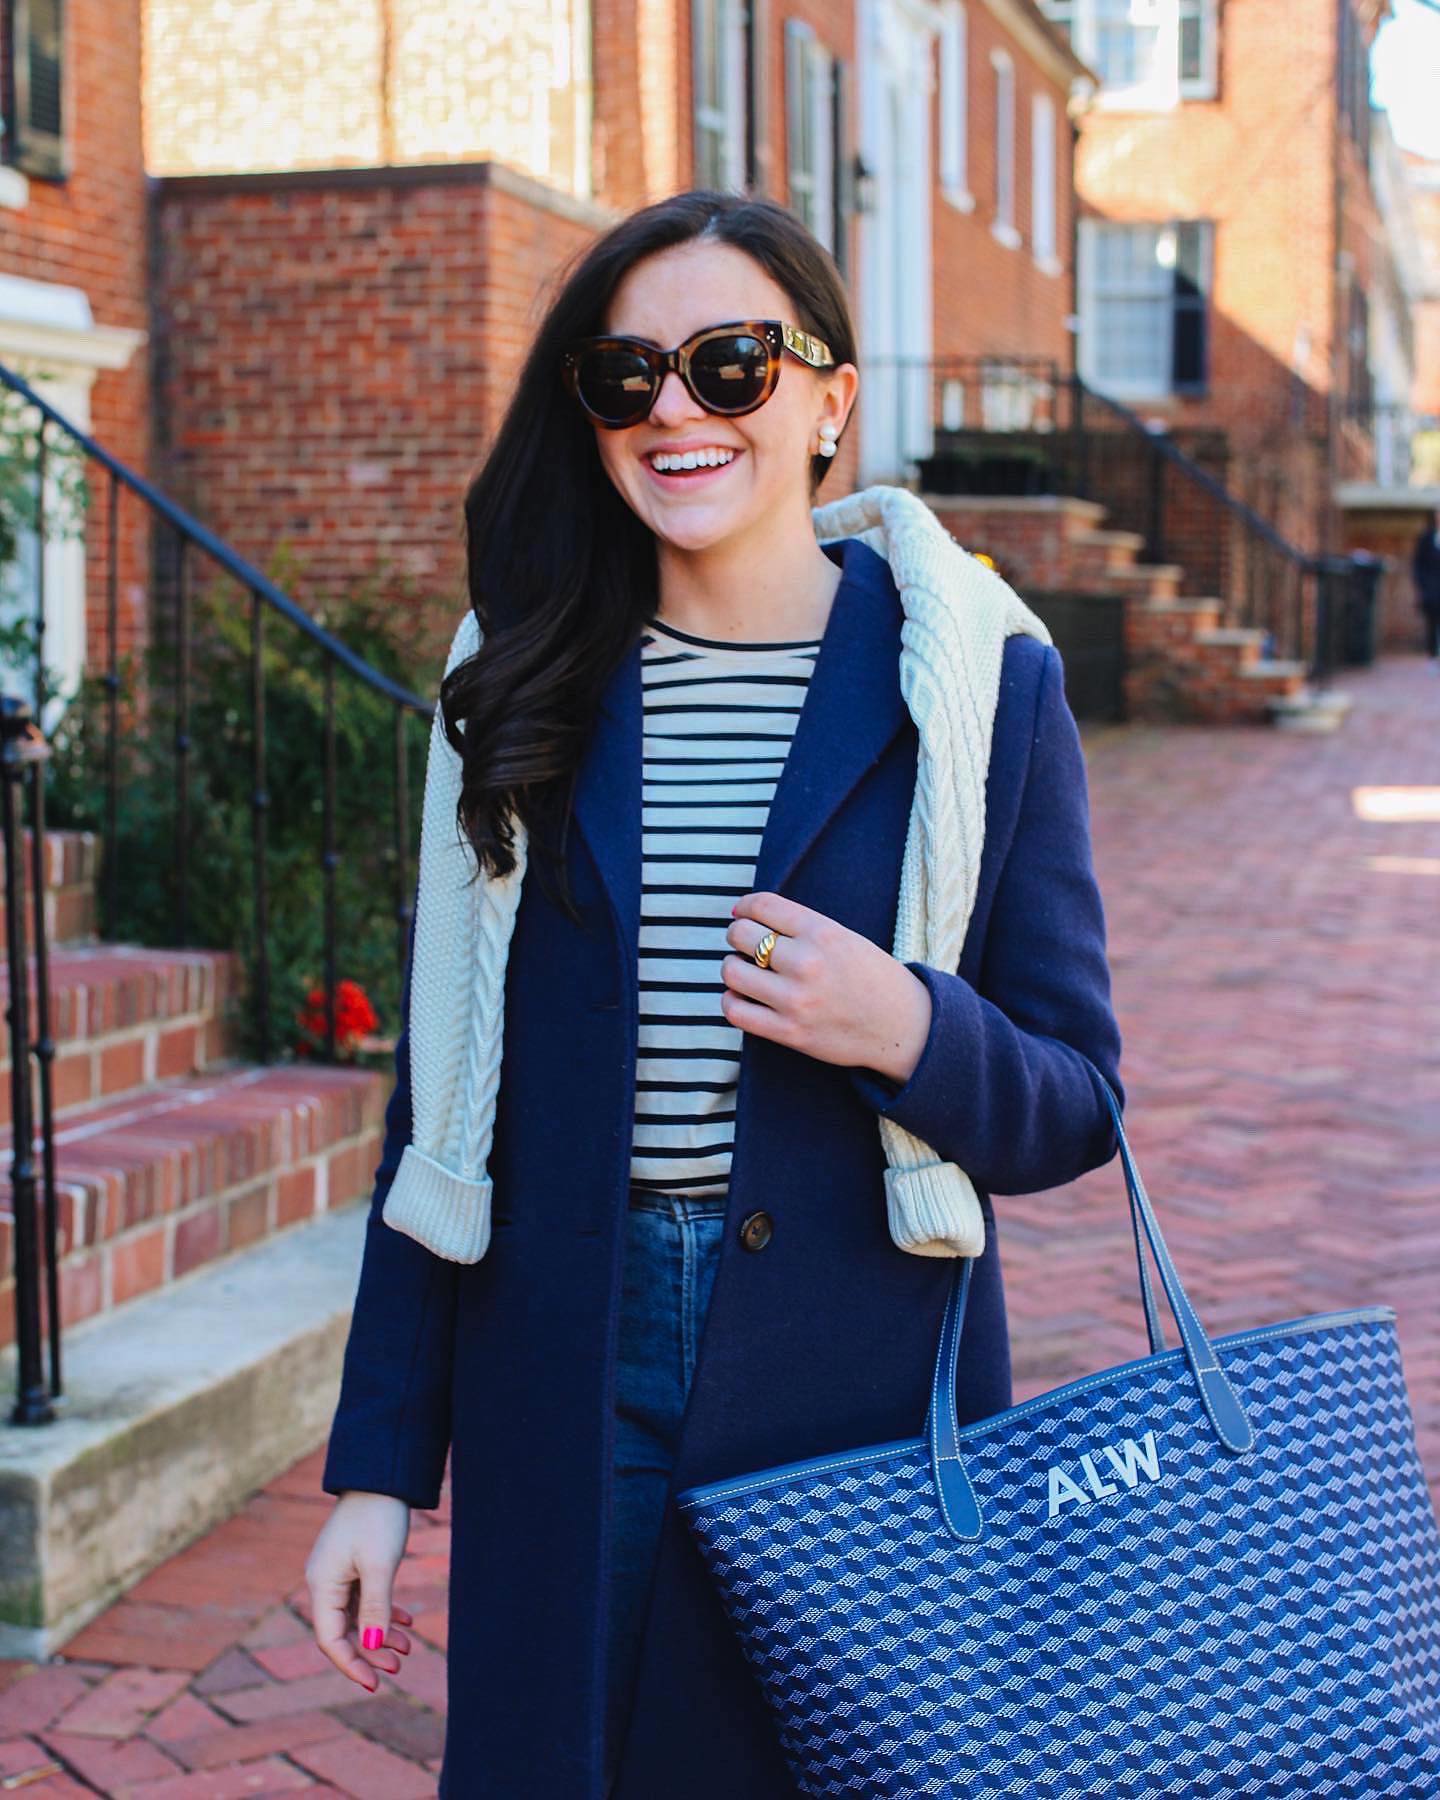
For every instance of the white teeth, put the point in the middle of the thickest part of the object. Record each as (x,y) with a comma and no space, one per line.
(692,459)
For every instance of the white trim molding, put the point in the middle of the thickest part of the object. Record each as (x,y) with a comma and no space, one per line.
(49,336)
(955,105)
(44,322)
(1050,49)
(1006,148)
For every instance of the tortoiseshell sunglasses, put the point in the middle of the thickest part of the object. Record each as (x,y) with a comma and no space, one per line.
(728,369)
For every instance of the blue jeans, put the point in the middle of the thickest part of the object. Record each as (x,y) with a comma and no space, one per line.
(671,1252)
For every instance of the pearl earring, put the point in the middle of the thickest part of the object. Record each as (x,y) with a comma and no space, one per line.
(828,434)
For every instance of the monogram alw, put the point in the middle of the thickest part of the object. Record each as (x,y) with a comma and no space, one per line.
(1211,1571)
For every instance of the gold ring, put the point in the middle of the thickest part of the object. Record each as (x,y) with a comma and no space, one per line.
(763,949)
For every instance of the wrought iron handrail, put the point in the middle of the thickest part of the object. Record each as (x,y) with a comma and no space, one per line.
(266,598)
(1260,576)
(1199,476)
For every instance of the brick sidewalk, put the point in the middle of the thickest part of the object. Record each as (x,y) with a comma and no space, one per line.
(1277,974)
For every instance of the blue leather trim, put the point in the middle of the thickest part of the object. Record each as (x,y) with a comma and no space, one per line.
(955,1496)
(703,1493)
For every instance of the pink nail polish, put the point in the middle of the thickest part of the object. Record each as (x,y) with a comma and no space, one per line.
(373,1638)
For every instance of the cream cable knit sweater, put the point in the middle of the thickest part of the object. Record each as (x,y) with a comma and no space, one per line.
(958,614)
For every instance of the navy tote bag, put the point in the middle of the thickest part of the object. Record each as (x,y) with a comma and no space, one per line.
(1213,1570)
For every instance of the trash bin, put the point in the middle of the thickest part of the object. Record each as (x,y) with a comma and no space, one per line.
(1360,608)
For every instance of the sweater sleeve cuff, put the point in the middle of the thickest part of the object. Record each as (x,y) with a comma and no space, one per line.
(445,1212)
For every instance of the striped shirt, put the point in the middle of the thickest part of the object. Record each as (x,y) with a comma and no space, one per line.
(718,720)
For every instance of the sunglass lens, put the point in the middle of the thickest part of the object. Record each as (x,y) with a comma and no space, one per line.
(730,372)
(615,384)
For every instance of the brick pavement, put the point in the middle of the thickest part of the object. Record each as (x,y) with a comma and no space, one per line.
(1275,937)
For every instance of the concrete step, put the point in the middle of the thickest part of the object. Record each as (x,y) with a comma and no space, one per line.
(155,1185)
(176,1409)
(1103,549)
(72,871)
(1309,709)
(1150,581)
(122,1017)
(1237,646)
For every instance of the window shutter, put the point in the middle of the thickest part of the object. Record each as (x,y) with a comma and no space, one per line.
(1190,350)
(37,37)
(842,135)
(759,174)
(798,150)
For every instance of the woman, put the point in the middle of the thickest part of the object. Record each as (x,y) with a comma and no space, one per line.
(690,1273)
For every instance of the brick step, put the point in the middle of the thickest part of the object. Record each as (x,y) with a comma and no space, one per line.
(1277,675)
(1031,537)
(1234,646)
(1306,708)
(1106,550)
(1179,618)
(72,871)
(123,1016)
(1143,581)
(154,1186)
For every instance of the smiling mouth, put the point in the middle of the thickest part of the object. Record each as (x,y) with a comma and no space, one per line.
(678,473)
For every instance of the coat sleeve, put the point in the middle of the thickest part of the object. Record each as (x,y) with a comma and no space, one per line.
(999,1088)
(391,1430)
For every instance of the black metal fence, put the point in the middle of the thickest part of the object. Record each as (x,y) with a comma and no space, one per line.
(1018,426)
(25,756)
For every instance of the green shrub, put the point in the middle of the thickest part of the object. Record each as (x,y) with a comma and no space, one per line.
(220,840)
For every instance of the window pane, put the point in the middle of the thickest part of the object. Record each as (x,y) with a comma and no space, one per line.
(1192,54)
(1133,341)
(1065,14)
(1127,260)
(1127,42)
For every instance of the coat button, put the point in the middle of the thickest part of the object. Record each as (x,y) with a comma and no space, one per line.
(756,1230)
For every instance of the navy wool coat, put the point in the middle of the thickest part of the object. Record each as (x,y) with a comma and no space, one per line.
(821,1340)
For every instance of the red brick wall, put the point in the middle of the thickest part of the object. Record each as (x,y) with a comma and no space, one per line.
(1426,206)
(325,342)
(989,298)
(88,231)
(337,353)
(1260,161)
(1391,533)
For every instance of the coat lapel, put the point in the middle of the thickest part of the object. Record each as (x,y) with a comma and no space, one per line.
(853,708)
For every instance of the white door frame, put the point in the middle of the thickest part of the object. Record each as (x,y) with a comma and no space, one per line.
(896,301)
(49,336)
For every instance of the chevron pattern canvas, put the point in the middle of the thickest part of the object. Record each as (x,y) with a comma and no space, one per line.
(1143,1612)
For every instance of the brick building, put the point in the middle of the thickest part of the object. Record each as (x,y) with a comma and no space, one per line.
(1230,249)
(1385,511)
(74,284)
(1424,180)
(397,210)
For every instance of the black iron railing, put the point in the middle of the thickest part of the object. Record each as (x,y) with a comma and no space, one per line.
(25,756)
(993,425)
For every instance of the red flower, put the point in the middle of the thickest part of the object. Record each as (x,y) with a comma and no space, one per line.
(354,1017)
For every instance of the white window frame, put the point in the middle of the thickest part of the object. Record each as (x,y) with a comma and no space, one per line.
(1122,387)
(810,125)
(725,122)
(955,106)
(1043,185)
(1165,89)
(1003,225)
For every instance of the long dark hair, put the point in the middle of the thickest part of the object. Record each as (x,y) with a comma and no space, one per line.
(561,572)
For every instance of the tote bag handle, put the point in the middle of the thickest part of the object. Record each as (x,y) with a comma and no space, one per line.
(954,1494)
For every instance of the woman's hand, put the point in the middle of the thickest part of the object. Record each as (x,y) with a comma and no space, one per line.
(350,1572)
(828,991)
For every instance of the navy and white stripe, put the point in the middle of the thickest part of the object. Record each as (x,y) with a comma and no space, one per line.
(718,722)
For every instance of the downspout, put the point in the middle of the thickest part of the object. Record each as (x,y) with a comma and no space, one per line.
(1337,325)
